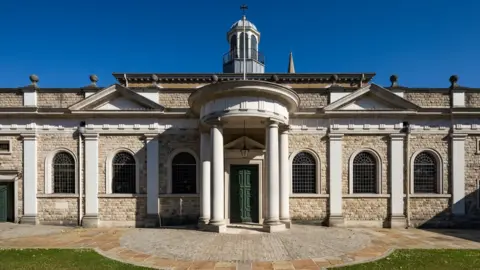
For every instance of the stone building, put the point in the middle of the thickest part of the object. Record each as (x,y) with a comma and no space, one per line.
(215,149)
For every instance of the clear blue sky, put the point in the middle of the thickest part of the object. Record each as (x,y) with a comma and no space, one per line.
(423,41)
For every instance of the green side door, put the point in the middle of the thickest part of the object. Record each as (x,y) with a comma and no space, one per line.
(243,193)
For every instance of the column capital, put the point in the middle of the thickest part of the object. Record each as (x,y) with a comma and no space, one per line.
(150,136)
(335,136)
(397,136)
(272,122)
(90,136)
(458,136)
(29,136)
(215,122)
(284,129)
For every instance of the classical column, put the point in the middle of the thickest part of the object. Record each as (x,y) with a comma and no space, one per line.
(205,156)
(272,222)
(335,164)
(151,141)
(458,173)
(397,172)
(29,179)
(91,180)
(284,178)
(217,221)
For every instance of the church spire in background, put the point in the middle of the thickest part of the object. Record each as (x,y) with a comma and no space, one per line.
(291,66)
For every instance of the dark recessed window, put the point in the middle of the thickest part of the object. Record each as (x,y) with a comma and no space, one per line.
(124,173)
(364,173)
(184,174)
(425,176)
(5,146)
(63,173)
(304,173)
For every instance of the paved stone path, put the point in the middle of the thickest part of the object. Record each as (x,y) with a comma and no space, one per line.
(303,247)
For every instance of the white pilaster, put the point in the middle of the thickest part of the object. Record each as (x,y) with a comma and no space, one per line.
(152,219)
(272,222)
(205,156)
(284,178)
(29,179)
(458,173)
(335,164)
(91,181)
(397,161)
(218,173)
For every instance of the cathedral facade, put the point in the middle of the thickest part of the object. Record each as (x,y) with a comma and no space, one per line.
(242,146)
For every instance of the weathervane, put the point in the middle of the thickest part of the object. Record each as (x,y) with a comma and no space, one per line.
(244,8)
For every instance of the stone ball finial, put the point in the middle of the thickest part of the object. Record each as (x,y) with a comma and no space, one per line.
(394,80)
(34,78)
(214,78)
(275,78)
(93,78)
(154,78)
(334,78)
(453,79)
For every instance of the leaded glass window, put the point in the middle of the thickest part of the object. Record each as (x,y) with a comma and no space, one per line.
(124,173)
(425,178)
(365,176)
(63,173)
(184,174)
(304,173)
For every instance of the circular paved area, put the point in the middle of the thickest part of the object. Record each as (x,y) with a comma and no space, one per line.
(300,242)
(12,230)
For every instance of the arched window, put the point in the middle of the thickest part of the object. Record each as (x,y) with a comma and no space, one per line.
(242,44)
(63,167)
(304,173)
(365,178)
(233,44)
(184,174)
(254,47)
(425,173)
(124,173)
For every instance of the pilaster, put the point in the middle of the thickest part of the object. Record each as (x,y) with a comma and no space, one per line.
(335,164)
(397,165)
(91,180)
(29,179)
(152,219)
(458,173)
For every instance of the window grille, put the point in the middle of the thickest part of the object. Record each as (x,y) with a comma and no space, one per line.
(364,173)
(425,178)
(304,173)
(124,173)
(63,173)
(184,174)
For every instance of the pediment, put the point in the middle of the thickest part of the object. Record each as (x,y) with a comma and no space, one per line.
(239,143)
(372,97)
(117,98)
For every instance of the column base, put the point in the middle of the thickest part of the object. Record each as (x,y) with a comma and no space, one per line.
(398,222)
(152,221)
(32,220)
(220,228)
(287,222)
(271,228)
(336,221)
(90,221)
(202,223)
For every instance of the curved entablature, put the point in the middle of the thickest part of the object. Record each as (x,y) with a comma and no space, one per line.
(244,99)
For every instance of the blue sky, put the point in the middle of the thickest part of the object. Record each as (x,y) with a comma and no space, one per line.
(422,41)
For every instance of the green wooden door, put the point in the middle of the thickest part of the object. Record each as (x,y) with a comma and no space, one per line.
(3,203)
(243,193)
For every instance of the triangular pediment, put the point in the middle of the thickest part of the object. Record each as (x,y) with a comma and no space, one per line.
(117,98)
(372,97)
(249,143)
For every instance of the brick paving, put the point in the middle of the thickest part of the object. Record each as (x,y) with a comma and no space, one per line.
(115,243)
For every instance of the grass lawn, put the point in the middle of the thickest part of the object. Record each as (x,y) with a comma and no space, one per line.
(437,259)
(57,259)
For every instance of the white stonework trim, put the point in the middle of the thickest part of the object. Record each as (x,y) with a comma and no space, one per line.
(366,195)
(438,160)
(109,173)
(421,195)
(9,151)
(477,146)
(122,195)
(49,169)
(379,162)
(317,172)
(169,169)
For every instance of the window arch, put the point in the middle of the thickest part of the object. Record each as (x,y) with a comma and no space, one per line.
(304,173)
(184,173)
(124,173)
(365,173)
(426,173)
(63,173)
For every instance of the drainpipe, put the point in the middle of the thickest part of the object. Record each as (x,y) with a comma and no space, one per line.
(408,130)
(81,130)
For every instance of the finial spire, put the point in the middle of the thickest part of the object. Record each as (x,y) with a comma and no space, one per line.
(244,9)
(291,66)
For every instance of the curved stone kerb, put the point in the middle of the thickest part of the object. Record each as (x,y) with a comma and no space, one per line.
(283,95)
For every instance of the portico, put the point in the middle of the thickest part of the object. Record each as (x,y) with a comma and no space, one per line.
(264,184)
